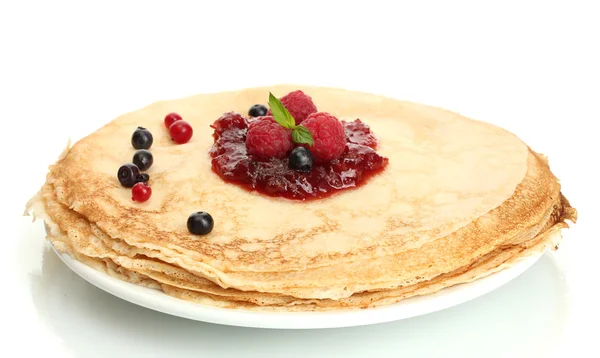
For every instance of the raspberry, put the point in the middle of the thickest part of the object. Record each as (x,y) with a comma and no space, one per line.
(299,104)
(266,138)
(328,135)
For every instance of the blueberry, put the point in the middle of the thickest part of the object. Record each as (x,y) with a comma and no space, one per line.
(301,159)
(200,223)
(143,159)
(258,110)
(141,138)
(143,178)
(128,174)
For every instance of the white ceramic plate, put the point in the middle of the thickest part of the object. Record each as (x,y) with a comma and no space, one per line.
(415,306)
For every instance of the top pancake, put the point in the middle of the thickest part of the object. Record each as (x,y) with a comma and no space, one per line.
(445,171)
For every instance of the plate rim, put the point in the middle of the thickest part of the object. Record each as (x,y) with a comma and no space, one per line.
(157,300)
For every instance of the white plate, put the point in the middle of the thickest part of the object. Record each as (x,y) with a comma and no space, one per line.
(415,306)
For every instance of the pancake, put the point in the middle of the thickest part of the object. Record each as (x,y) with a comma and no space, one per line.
(460,199)
(177,282)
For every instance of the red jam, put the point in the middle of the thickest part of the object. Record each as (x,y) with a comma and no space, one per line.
(232,163)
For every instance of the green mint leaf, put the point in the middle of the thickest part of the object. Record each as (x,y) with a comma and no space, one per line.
(280,113)
(301,135)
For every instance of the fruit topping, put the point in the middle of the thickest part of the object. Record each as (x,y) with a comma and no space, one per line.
(360,133)
(181,132)
(143,159)
(171,118)
(299,104)
(227,121)
(141,138)
(128,175)
(258,110)
(301,159)
(328,135)
(267,139)
(200,223)
(143,178)
(274,177)
(141,192)
(275,155)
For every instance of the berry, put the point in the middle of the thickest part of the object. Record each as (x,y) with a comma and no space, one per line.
(268,139)
(328,135)
(141,138)
(258,110)
(299,105)
(128,174)
(171,118)
(301,159)
(200,223)
(141,192)
(181,132)
(227,121)
(143,178)
(143,159)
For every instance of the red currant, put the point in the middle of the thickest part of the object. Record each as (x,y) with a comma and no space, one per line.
(171,118)
(141,192)
(181,131)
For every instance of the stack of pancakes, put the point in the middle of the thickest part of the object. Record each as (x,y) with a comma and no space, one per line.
(459,200)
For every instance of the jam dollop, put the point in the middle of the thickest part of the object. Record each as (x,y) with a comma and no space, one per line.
(273,177)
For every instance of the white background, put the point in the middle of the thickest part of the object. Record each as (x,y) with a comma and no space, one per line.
(66,68)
